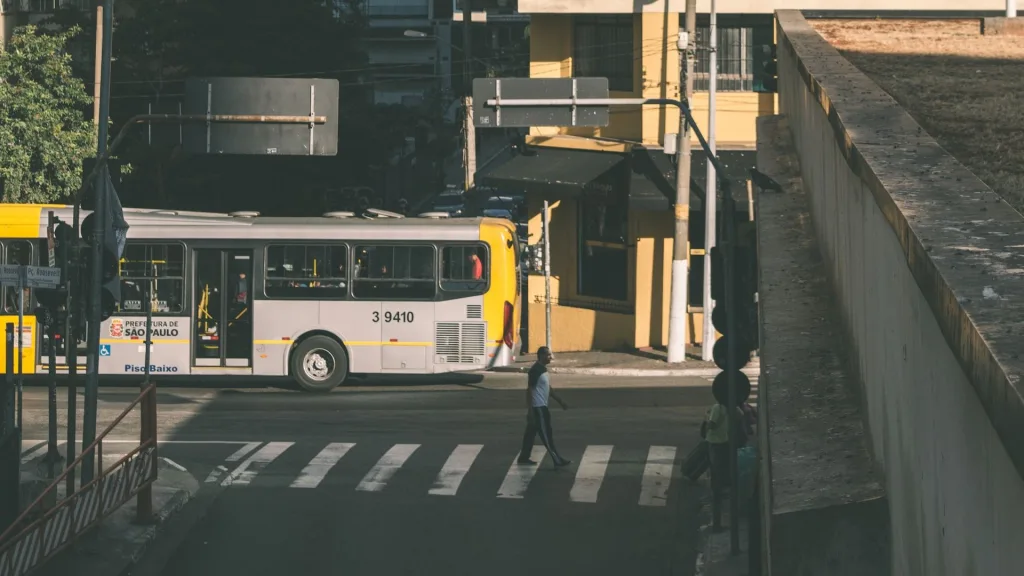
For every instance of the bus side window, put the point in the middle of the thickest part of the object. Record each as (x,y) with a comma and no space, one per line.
(156,271)
(306,271)
(17,253)
(464,268)
(395,273)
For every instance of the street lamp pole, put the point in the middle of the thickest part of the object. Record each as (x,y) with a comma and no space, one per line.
(469,153)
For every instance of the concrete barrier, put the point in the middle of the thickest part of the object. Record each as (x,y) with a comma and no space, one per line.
(823,504)
(927,267)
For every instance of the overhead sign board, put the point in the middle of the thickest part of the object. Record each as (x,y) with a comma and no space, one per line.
(487,115)
(29,276)
(262,97)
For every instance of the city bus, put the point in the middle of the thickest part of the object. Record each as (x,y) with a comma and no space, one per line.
(316,299)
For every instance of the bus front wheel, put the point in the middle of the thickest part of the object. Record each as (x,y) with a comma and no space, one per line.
(319,364)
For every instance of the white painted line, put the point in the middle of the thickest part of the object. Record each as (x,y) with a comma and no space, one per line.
(590,474)
(243,452)
(657,475)
(173,464)
(319,466)
(33,454)
(215,474)
(519,475)
(455,469)
(136,441)
(247,470)
(389,463)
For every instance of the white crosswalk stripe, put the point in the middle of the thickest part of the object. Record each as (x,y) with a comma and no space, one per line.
(251,466)
(590,474)
(657,475)
(377,478)
(519,475)
(595,469)
(318,467)
(455,469)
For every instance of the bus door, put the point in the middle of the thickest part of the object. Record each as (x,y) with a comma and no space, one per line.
(222,308)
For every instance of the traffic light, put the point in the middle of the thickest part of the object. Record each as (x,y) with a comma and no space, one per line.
(766,69)
(55,299)
(744,330)
(735,313)
(109,265)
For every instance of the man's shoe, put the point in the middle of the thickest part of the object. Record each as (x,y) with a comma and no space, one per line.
(564,462)
(527,461)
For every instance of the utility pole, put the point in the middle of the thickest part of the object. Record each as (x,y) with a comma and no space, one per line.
(681,244)
(92,377)
(469,154)
(97,66)
(710,192)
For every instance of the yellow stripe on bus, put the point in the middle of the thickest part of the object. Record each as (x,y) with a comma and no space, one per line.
(352,343)
(116,341)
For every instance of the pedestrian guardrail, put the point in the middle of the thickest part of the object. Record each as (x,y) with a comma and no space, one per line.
(27,544)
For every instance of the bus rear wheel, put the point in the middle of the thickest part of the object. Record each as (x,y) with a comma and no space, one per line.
(319,364)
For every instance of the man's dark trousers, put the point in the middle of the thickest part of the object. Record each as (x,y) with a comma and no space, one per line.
(538,421)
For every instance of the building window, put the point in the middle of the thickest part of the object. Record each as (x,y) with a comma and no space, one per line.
(603,47)
(604,258)
(306,271)
(16,253)
(464,269)
(394,273)
(156,272)
(742,40)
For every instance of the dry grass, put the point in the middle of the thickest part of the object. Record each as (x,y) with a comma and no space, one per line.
(965,89)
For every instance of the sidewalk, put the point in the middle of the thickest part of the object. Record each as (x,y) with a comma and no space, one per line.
(715,558)
(117,542)
(644,362)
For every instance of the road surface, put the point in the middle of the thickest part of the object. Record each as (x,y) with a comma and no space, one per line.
(418,477)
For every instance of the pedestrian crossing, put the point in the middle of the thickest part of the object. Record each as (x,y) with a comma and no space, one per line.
(279,465)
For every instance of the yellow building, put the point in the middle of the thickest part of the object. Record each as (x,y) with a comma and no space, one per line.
(612,188)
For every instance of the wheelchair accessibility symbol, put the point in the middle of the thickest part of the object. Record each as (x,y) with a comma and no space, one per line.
(104,349)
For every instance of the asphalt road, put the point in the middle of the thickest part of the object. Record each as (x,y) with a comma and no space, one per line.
(418,477)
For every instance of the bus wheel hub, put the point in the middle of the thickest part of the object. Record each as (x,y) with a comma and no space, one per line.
(318,364)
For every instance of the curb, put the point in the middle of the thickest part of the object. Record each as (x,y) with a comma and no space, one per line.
(683,372)
(173,506)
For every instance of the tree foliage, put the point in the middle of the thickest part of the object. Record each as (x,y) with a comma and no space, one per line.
(44,133)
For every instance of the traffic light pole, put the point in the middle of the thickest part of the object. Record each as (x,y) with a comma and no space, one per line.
(729,228)
(92,375)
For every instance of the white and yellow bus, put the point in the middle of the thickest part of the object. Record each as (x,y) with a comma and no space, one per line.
(316,299)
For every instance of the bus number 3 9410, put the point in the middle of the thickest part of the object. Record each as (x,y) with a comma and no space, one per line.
(394,317)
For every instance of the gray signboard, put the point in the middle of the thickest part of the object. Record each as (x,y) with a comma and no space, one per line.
(266,97)
(536,89)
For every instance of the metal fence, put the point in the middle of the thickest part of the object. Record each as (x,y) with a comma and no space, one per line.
(30,541)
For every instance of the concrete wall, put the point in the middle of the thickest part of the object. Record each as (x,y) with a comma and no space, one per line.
(926,266)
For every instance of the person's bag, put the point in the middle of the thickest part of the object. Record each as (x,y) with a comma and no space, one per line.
(697,462)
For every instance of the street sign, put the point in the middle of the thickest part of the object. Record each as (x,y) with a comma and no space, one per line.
(504,89)
(51,255)
(32,276)
(265,97)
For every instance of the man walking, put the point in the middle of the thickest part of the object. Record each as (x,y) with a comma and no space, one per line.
(538,419)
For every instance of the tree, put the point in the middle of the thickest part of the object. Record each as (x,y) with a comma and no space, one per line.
(44,134)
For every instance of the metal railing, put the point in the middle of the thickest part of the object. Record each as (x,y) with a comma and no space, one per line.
(27,544)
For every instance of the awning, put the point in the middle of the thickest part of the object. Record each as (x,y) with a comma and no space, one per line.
(552,171)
